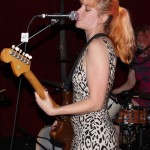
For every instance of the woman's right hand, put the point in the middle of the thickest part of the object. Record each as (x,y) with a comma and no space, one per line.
(46,105)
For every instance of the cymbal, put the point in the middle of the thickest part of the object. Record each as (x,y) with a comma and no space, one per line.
(145,96)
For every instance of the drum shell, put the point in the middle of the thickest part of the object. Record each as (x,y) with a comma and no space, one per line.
(135,116)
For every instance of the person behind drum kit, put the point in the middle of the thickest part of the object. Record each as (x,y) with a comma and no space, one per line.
(94,74)
(138,73)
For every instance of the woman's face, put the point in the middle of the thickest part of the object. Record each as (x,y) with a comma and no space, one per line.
(88,18)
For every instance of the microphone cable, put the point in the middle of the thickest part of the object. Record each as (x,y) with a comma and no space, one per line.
(18,95)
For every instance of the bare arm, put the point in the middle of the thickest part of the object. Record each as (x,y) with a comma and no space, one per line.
(96,65)
(129,84)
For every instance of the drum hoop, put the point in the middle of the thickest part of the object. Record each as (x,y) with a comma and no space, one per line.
(138,108)
(114,98)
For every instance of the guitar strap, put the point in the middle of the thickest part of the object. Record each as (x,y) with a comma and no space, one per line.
(67,85)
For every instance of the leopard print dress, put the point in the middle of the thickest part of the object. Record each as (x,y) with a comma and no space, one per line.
(95,130)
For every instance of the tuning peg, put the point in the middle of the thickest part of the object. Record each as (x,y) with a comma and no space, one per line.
(26,55)
(16,48)
(23,53)
(14,51)
(30,57)
(20,51)
(22,57)
(13,46)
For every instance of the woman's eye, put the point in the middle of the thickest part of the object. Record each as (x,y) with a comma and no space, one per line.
(87,9)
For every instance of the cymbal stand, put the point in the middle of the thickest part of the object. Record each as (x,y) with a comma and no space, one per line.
(128,132)
(140,129)
(140,137)
(142,145)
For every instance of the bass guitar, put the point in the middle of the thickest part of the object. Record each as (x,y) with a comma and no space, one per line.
(20,64)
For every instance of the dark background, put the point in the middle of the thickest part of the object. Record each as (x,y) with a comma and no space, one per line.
(45,49)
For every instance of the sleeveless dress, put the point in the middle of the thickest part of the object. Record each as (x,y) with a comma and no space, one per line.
(95,130)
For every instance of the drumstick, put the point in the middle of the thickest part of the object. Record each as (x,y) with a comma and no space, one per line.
(135,96)
(3,90)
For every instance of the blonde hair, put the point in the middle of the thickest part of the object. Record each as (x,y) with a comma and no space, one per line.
(118,27)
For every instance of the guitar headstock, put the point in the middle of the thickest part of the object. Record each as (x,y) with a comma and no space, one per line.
(20,61)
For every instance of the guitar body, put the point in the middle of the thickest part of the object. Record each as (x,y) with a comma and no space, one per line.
(63,132)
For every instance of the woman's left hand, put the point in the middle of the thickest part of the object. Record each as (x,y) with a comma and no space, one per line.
(45,104)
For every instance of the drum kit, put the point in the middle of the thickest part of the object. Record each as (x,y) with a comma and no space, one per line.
(133,120)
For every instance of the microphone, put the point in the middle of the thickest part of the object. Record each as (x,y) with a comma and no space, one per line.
(72,15)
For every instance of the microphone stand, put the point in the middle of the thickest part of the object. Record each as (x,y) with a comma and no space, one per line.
(19,88)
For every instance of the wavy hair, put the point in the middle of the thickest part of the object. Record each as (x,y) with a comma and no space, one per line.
(118,27)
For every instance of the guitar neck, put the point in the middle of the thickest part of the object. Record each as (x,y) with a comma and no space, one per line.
(20,64)
(38,87)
